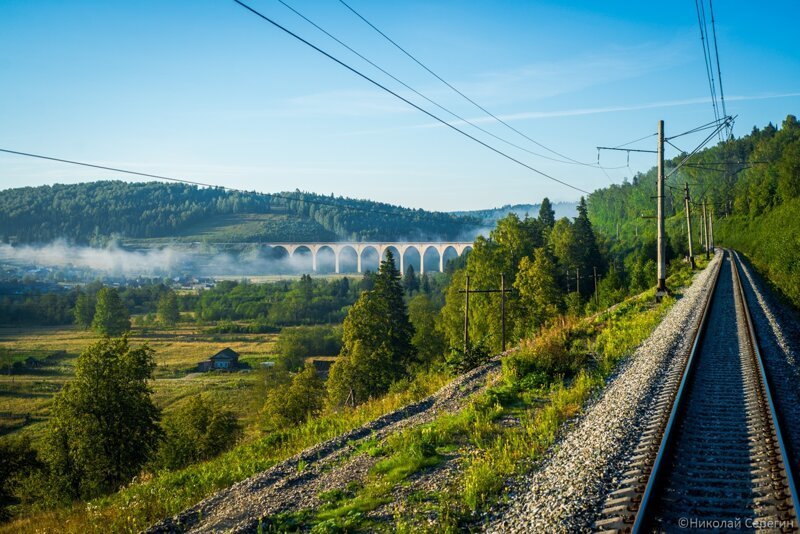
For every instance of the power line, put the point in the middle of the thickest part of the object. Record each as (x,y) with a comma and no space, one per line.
(410,103)
(702,144)
(706,57)
(716,53)
(418,93)
(637,140)
(468,99)
(675,147)
(700,128)
(213,186)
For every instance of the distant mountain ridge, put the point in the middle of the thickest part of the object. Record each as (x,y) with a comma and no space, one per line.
(96,212)
(142,214)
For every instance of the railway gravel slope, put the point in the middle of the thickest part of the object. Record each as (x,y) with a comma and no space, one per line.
(567,492)
(296,482)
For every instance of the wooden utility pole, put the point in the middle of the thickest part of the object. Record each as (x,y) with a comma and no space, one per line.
(503,308)
(711,227)
(688,222)
(503,290)
(661,287)
(596,299)
(466,315)
(705,228)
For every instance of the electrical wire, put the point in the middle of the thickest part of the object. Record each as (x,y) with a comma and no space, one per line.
(701,145)
(716,53)
(637,140)
(468,99)
(701,20)
(421,95)
(410,103)
(706,126)
(675,147)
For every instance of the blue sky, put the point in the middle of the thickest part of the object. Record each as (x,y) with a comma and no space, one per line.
(204,90)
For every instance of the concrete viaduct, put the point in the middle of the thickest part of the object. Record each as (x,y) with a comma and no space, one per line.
(380,248)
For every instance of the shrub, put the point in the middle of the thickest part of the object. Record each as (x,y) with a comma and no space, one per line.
(197,431)
(461,361)
(296,344)
(548,353)
(17,460)
(293,403)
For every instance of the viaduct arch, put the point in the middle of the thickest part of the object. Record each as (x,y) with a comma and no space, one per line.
(459,247)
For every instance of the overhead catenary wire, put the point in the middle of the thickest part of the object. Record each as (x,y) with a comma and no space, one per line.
(716,53)
(702,144)
(421,95)
(223,187)
(464,96)
(701,21)
(407,101)
(682,151)
(706,126)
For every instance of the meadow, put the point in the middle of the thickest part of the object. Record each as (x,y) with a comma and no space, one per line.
(26,392)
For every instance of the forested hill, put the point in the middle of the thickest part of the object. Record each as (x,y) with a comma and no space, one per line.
(753,185)
(93,212)
(490,216)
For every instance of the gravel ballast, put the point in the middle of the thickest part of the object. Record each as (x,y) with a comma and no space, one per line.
(295,484)
(566,493)
(779,340)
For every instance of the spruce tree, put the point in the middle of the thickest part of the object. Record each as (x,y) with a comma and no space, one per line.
(584,245)
(111,317)
(376,341)
(547,215)
(410,280)
(425,284)
(84,311)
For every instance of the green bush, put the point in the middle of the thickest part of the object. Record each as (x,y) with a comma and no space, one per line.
(197,431)
(294,402)
(547,353)
(296,344)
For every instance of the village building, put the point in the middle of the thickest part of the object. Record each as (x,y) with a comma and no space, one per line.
(225,360)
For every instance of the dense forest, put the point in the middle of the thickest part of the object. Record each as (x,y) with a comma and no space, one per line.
(91,213)
(752,184)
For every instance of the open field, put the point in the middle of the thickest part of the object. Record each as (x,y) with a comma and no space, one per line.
(25,395)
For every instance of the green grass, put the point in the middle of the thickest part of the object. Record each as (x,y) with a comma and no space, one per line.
(158,495)
(245,228)
(512,424)
(771,242)
(26,394)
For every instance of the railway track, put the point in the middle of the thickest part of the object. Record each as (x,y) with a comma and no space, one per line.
(713,455)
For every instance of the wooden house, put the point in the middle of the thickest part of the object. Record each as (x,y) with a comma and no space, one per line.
(225,360)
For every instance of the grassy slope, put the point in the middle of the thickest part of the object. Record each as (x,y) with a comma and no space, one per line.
(498,451)
(160,495)
(772,243)
(244,228)
(496,438)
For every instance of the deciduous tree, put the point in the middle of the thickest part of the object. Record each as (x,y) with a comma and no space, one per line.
(167,311)
(104,424)
(111,318)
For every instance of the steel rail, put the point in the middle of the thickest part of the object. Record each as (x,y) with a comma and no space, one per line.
(751,331)
(660,467)
(666,443)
